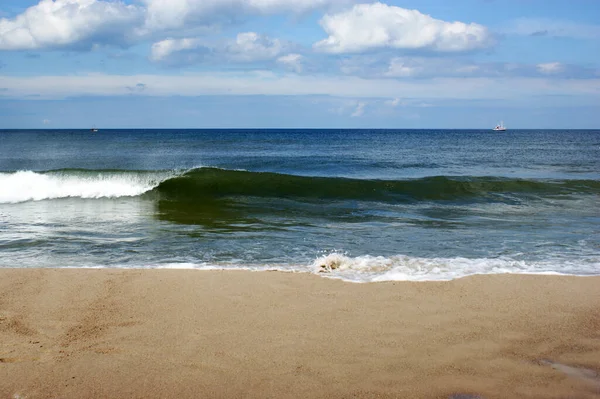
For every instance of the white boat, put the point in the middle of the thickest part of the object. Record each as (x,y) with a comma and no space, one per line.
(500,127)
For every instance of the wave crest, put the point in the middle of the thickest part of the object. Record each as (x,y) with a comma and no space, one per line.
(208,183)
(25,186)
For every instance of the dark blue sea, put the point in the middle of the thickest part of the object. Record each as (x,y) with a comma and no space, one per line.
(360,205)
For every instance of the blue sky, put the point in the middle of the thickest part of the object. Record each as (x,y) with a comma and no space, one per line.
(299,63)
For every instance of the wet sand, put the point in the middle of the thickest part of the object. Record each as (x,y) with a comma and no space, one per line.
(191,334)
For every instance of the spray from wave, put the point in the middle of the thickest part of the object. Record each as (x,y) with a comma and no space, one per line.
(25,186)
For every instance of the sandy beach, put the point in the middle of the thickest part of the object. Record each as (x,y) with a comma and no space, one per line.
(192,334)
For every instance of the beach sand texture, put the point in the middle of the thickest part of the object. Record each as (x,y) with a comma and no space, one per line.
(215,334)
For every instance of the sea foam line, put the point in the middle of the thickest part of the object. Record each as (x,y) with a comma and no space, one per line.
(407,268)
(369,269)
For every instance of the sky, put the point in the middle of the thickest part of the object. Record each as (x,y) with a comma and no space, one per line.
(299,64)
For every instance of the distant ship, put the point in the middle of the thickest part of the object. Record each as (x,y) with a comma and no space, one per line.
(500,127)
(94,129)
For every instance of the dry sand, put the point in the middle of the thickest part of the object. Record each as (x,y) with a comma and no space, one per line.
(191,334)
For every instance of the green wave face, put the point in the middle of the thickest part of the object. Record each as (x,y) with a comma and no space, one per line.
(205,183)
(215,197)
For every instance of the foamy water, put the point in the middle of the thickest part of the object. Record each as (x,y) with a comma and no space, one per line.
(31,186)
(369,269)
(406,268)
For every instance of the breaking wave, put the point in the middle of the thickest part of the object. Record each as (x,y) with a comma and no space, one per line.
(210,183)
(25,186)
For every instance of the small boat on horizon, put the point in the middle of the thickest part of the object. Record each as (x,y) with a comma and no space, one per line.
(500,127)
(93,129)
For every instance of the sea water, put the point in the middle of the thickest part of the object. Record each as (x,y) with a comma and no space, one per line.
(360,205)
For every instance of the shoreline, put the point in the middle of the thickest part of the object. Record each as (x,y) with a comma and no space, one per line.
(145,333)
(321,272)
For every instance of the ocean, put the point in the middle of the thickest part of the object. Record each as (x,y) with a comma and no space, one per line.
(358,205)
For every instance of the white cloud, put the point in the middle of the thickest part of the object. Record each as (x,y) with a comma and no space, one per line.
(82,24)
(394,102)
(400,68)
(405,67)
(377,25)
(251,46)
(359,110)
(163,49)
(405,108)
(382,65)
(246,47)
(397,102)
(551,68)
(64,23)
(292,61)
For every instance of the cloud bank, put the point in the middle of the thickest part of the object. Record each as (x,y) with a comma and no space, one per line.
(268,83)
(82,24)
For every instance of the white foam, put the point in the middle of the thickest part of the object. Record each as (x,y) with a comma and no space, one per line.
(31,186)
(183,266)
(406,268)
(372,269)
